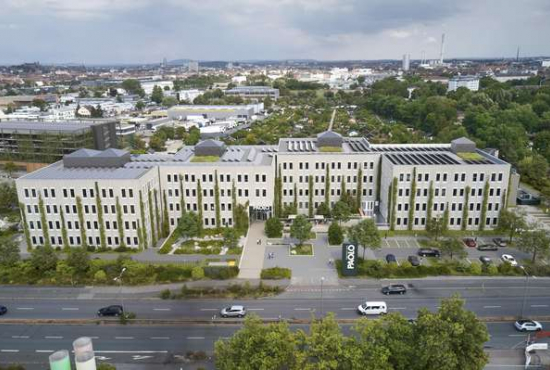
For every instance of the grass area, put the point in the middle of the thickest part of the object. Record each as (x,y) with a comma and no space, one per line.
(232,291)
(206,247)
(470,156)
(276,273)
(204,158)
(302,250)
(330,149)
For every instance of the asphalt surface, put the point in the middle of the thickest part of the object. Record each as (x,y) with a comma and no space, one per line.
(31,345)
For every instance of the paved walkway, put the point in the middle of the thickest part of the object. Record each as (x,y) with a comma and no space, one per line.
(252,259)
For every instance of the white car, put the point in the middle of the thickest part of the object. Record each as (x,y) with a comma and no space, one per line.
(510,259)
(233,311)
(373,308)
(528,325)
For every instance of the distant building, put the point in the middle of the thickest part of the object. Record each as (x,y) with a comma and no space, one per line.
(406,62)
(469,82)
(545,64)
(253,92)
(217,112)
(46,142)
(193,66)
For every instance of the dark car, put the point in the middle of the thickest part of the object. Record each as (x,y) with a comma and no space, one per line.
(485,260)
(114,310)
(3,310)
(487,247)
(414,260)
(394,289)
(469,242)
(500,242)
(390,258)
(429,252)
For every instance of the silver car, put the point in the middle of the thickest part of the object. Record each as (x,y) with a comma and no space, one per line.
(233,311)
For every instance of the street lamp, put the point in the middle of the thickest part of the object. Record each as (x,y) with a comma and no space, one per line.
(119,279)
(524,291)
(322,281)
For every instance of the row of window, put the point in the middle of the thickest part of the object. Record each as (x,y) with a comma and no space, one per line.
(454,206)
(452,221)
(87,209)
(322,165)
(334,179)
(443,192)
(86,193)
(210,178)
(76,241)
(443,177)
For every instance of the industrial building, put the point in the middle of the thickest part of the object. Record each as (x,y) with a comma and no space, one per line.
(214,112)
(253,92)
(400,186)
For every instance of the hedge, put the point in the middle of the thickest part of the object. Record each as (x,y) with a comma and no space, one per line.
(275,273)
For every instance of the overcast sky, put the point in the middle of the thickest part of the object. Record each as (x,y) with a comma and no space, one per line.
(139,31)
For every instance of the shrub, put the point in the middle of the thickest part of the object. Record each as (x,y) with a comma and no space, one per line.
(166,294)
(275,273)
(166,248)
(492,270)
(474,269)
(197,273)
(274,228)
(90,248)
(221,272)
(335,234)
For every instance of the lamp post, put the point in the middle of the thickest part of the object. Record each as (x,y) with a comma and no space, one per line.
(524,292)
(119,279)
(322,281)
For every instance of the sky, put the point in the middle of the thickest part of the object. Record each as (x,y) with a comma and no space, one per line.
(146,31)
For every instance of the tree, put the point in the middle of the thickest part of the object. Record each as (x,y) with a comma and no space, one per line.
(9,253)
(157,95)
(365,233)
(535,241)
(157,144)
(8,197)
(188,225)
(335,234)
(341,211)
(300,229)
(169,101)
(43,259)
(140,105)
(511,222)
(133,86)
(436,227)
(230,237)
(534,168)
(452,247)
(79,260)
(273,228)
(257,347)
(323,210)
(10,168)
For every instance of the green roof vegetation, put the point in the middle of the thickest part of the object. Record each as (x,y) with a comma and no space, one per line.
(470,156)
(205,158)
(330,149)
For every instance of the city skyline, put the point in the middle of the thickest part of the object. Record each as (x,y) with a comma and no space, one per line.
(143,31)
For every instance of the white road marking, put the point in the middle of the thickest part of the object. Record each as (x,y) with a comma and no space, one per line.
(209,309)
(492,306)
(302,309)
(102,358)
(129,352)
(20,336)
(124,337)
(140,357)
(9,350)
(93,337)
(53,337)
(160,338)
(70,309)
(195,338)
(348,309)
(44,351)
(398,308)
(25,308)
(162,309)
(539,305)
(517,335)
(255,309)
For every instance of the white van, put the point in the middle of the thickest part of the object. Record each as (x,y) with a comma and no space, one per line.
(373,308)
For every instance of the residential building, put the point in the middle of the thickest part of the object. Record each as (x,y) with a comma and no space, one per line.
(469,82)
(394,184)
(253,92)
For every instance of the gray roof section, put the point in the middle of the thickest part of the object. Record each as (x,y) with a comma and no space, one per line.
(83,153)
(57,171)
(48,127)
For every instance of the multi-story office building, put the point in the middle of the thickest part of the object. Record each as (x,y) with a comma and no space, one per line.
(46,142)
(469,82)
(136,192)
(253,92)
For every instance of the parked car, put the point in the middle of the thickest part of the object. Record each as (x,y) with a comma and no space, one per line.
(469,242)
(394,289)
(373,308)
(233,311)
(390,258)
(414,260)
(485,260)
(3,310)
(499,242)
(113,310)
(528,325)
(429,252)
(509,258)
(487,247)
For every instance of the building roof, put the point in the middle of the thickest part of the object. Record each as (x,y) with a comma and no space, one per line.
(462,140)
(58,171)
(48,127)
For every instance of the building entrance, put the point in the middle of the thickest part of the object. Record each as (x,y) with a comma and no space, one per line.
(260,213)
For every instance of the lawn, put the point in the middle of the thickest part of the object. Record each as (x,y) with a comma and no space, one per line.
(205,158)
(467,156)
(203,247)
(301,250)
(330,149)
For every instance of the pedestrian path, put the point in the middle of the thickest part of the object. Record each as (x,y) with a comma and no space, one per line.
(252,258)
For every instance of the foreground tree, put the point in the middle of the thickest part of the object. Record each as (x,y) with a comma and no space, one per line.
(534,241)
(436,227)
(230,237)
(341,211)
(79,260)
(188,225)
(300,229)
(335,234)
(43,259)
(511,222)
(365,234)
(274,228)
(9,253)
(452,247)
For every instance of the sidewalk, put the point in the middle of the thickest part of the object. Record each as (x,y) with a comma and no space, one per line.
(252,259)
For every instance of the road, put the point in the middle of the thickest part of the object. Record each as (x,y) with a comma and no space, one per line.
(486,297)
(147,345)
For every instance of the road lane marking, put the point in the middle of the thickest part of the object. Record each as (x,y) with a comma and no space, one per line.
(44,351)
(302,309)
(25,308)
(53,337)
(195,338)
(130,352)
(209,309)
(20,336)
(160,338)
(93,337)
(397,308)
(255,309)
(124,337)
(492,306)
(9,350)
(348,309)
(539,305)
(162,309)
(517,335)
(70,309)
